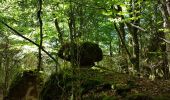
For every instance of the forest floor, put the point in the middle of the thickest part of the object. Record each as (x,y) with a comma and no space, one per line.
(126,87)
(1,95)
(97,85)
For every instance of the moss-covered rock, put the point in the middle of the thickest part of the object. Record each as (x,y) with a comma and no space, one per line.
(57,87)
(63,85)
(24,86)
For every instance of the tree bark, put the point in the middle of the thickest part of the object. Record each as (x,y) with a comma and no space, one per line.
(165,10)
(134,32)
(6,67)
(60,33)
(39,67)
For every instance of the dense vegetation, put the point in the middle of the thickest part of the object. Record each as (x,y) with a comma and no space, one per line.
(132,34)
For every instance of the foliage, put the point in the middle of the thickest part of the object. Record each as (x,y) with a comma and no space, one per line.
(133,36)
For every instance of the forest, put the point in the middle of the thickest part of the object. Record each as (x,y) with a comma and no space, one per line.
(84,49)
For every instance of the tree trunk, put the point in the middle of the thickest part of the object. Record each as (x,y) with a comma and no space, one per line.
(165,10)
(120,28)
(6,68)
(39,67)
(134,32)
(60,33)
(110,48)
(136,49)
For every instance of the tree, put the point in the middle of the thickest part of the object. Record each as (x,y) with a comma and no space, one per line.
(165,10)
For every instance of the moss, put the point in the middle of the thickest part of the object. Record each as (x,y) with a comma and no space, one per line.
(100,97)
(56,87)
(89,85)
(59,86)
(139,97)
(110,98)
(162,97)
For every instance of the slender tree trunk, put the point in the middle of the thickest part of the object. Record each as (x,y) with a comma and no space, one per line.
(134,32)
(123,48)
(39,67)
(60,33)
(110,48)
(165,10)
(136,50)
(71,23)
(6,66)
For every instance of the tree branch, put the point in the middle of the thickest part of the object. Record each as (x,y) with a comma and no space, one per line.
(29,40)
(121,39)
(138,27)
(167,41)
